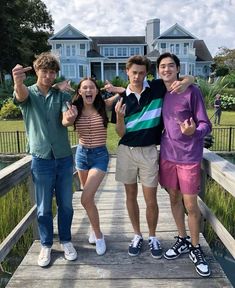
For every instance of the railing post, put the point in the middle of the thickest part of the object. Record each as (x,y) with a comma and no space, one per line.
(32,199)
(230,140)
(18,141)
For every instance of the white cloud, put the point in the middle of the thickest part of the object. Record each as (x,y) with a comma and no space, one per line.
(211,20)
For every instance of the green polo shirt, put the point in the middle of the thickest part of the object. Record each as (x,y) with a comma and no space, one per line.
(47,137)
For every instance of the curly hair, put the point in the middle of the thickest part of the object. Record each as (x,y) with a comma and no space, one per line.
(46,60)
(99,103)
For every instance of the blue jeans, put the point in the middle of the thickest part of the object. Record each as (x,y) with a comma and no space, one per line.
(92,158)
(53,177)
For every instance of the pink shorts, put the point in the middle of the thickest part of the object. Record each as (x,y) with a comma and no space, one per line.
(183,177)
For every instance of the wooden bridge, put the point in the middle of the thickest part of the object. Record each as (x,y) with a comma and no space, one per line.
(116,269)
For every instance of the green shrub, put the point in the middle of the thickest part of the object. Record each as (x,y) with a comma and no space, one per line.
(10,111)
(6,90)
(209,90)
(228,102)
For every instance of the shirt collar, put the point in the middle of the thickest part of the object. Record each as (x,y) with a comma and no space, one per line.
(145,85)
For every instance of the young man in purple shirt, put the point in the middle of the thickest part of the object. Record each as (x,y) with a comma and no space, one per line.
(186,123)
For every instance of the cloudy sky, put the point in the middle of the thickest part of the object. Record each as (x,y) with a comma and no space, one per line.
(210,20)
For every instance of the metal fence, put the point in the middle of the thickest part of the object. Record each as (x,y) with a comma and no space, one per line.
(15,142)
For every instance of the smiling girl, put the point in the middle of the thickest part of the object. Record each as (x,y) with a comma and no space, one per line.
(91,155)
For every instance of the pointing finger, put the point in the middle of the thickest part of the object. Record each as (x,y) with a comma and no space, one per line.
(26,69)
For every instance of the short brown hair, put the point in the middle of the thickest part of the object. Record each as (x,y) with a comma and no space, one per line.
(46,60)
(138,60)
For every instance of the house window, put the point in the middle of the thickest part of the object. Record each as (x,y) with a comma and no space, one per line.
(82,70)
(108,51)
(172,48)
(177,49)
(68,71)
(121,51)
(182,69)
(191,68)
(73,50)
(68,54)
(134,51)
(186,46)
(82,49)
(163,47)
(58,48)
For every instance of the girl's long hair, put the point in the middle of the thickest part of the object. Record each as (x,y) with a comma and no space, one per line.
(99,103)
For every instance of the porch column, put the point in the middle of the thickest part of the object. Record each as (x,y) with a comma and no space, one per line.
(117,74)
(102,70)
(89,70)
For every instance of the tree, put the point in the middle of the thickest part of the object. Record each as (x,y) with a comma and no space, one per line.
(25,26)
(224,59)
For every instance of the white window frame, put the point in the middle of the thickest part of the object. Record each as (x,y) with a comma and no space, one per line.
(71,71)
(134,51)
(109,51)
(82,49)
(82,71)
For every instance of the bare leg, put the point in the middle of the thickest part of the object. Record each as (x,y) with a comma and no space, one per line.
(92,181)
(194,216)
(150,196)
(132,206)
(178,212)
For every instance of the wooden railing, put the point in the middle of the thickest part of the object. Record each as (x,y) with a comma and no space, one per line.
(10,176)
(213,165)
(223,172)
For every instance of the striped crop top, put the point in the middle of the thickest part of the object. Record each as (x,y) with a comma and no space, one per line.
(91,131)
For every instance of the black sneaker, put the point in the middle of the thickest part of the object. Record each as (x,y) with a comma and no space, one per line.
(155,248)
(135,246)
(198,258)
(181,246)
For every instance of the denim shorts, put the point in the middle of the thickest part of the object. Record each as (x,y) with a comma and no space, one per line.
(92,158)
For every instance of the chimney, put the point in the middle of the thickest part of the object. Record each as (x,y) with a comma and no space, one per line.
(152,31)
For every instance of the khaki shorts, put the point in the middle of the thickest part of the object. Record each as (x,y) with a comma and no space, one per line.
(134,162)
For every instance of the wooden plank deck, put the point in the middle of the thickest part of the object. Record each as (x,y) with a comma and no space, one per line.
(116,268)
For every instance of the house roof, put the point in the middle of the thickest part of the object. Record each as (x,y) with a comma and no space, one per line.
(177,32)
(202,52)
(69,33)
(119,40)
(94,54)
(154,53)
(174,32)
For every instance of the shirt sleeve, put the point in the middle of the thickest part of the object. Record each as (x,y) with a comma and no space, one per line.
(200,117)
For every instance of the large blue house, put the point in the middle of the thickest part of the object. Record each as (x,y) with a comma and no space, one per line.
(105,57)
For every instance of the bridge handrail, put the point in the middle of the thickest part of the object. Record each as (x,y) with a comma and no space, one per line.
(223,172)
(213,165)
(10,176)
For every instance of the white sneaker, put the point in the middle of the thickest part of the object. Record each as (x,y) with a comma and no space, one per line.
(44,257)
(69,252)
(92,238)
(100,246)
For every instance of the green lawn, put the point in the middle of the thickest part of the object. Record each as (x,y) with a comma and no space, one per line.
(18,125)
(227,119)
